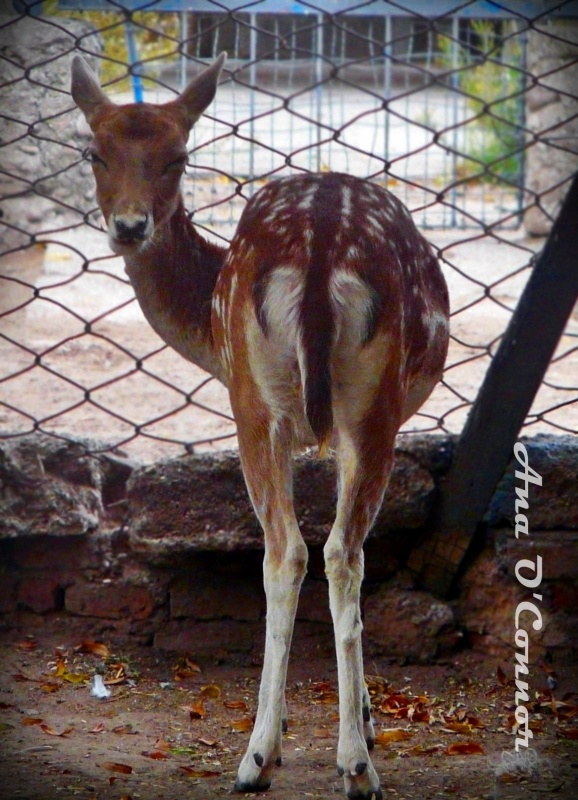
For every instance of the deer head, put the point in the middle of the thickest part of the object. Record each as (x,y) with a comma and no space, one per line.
(139,152)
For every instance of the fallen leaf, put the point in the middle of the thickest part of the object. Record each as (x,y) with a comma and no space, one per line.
(422,750)
(75,677)
(207,741)
(194,772)
(242,725)
(118,675)
(322,733)
(157,755)
(114,766)
(458,727)
(60,667)
(124,730)
(162,744)
(327,698)
(211,691)
(388,735)
(196,710)
(238,705)
(32,721)
(93,648)
(98,728)
(51,732)
(50,687)
(464,749)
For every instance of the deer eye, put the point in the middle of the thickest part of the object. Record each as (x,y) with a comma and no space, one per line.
(92,157)
(177,165)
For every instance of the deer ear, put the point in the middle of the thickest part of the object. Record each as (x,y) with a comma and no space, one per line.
(85,88)
(200,92)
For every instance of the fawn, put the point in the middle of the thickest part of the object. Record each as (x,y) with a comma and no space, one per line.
(326,318)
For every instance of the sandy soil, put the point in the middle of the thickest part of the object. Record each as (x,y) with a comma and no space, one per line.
(163,734)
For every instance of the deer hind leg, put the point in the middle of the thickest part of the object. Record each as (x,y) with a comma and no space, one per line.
(364,469)
(266,458)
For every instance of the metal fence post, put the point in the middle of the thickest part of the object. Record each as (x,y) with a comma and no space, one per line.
(503,402)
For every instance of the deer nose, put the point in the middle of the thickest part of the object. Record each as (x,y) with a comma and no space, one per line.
(131,228)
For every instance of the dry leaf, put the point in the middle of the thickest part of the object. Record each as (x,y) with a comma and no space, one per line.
(124,730)
(327,698)
(51,732)
(157,755)
(32,721)
(114,766)
(196,710)
(238,705)
(211,690)
(322,733)
(117,675)
(194,772)
(242,725)
(207,741)
(458,727)
(162,744)
(75,677)
(93,648)
(422,750)
(465,749)
(388,735)
(49,687)
(98,728)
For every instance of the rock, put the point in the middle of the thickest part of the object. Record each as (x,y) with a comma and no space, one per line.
(488,597)
(552,505)
(109,599)
(200,503)
(48,487)
(205,596)
(558,549)
(407,624)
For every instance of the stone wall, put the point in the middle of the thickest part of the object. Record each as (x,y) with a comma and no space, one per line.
(552,119)
(171,554)
(38,117)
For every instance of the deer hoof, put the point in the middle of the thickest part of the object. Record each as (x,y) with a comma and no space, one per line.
(246,786)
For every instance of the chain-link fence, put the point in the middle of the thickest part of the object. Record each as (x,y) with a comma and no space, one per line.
(469,116)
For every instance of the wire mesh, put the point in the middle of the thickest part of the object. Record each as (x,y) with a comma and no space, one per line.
(469,116)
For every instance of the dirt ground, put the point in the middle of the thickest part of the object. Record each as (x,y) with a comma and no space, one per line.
(176,727)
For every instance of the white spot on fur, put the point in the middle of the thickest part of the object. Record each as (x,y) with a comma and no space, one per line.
(346,204)
(282,303)
(351,299)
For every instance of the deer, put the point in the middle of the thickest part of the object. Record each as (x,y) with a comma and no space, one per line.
(327,320)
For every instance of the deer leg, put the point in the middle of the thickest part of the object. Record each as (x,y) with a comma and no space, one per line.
(268,474)
(360,494)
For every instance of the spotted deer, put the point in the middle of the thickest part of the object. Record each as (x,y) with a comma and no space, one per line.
(326,318)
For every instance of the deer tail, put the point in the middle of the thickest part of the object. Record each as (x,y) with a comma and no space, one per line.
(317,326)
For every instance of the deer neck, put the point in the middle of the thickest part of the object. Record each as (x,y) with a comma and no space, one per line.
(173,277)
